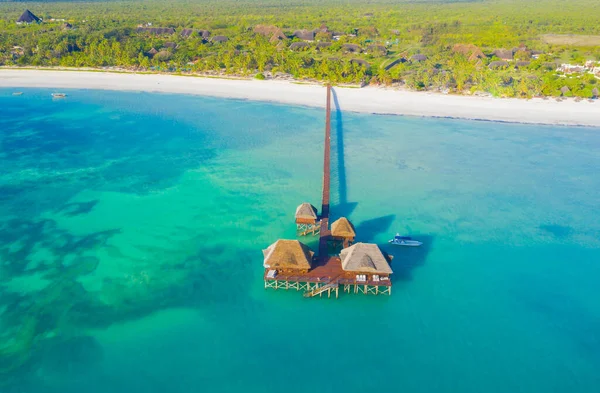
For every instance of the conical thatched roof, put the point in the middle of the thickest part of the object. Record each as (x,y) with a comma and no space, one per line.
(28,17)
(306,211)
(342,228)
(287,254)
(364,258)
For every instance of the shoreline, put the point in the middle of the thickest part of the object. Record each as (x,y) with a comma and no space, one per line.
(372,100)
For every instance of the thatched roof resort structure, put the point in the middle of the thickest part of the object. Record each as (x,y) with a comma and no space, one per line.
(364,258)
(288,256)
(306,214)
(343,231)
(359,268)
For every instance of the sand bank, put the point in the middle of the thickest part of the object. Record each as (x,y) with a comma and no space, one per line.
(367,100)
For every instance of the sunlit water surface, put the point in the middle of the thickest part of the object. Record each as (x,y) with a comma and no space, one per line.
(132,226)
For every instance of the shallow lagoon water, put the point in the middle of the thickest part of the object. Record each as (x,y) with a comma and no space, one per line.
(133,223)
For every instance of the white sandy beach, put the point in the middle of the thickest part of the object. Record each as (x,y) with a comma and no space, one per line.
(367,100)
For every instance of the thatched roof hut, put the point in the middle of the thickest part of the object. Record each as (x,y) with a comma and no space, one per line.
(595,93)
(323,45)
(472,52)
(498,64)
(27,17)
(305,35)
(322,29)
(67,26)
(504,54)
(288,255)
(204,34)
(170,45)
(418,57)
(564,90)
(522,64)
(219,39)
(351,48)
(186,33)
(306,214)
(364,258)
(360,62)
(152,51)
(266,30)
(343,230)
(299,45)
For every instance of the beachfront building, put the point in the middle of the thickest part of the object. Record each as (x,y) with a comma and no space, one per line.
(28,18)
(342,231)
(287,257)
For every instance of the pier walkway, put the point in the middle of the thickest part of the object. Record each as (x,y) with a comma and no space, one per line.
(324,233)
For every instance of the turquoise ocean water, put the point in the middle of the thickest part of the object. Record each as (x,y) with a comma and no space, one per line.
(132,224)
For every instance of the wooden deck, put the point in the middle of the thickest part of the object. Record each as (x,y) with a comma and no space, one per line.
(324,233)
(326,272)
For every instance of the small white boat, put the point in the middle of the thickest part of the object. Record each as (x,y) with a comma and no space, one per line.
(59,95)
(404,241)
(17,93)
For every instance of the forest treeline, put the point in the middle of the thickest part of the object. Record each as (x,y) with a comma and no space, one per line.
(496,47)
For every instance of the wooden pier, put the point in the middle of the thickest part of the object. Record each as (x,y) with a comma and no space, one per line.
(327,274)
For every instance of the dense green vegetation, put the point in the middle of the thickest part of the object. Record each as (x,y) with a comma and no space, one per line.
(458,40)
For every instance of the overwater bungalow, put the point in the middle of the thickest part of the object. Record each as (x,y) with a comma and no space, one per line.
(365,258)
(343,231)
(306,219)
(306,214)
(366,268)
(288,257)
